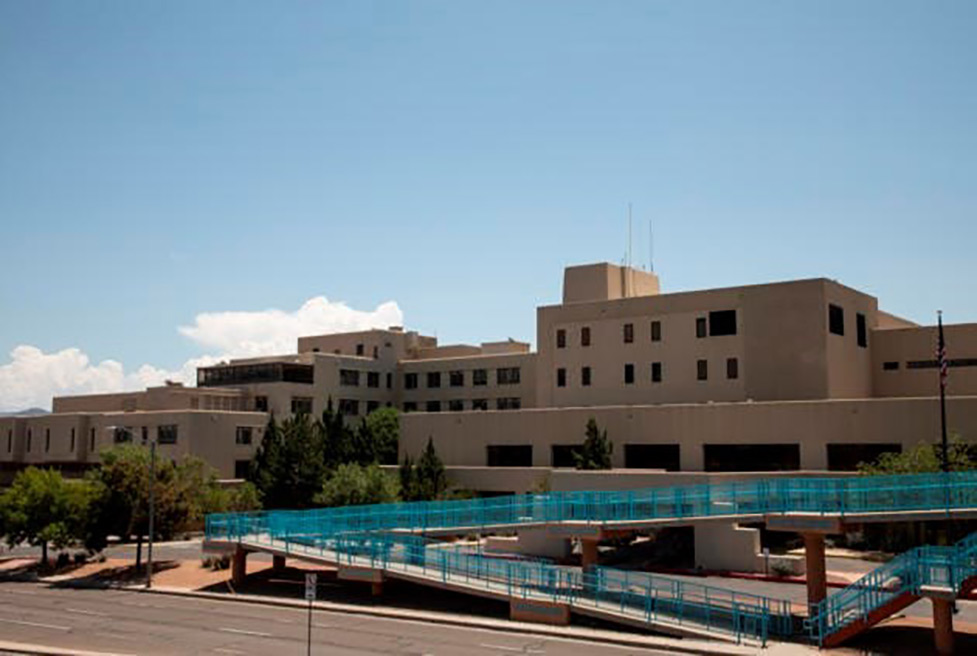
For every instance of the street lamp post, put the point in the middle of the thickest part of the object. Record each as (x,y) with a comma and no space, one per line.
(152,511)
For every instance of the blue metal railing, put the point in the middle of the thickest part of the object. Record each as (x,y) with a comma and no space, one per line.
(906,574)
(824,496)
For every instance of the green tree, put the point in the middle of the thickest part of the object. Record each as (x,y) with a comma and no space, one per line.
(384,430)
(290,465)
(427,479)
(352,484)
(596,450)
(922,458)
(42,509)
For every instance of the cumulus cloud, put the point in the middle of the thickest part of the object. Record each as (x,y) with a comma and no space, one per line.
(32,377)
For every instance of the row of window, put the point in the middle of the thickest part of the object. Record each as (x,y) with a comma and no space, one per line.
(503,376)
(165,434)
(929,364)
(836,324)
(458,405)
(716,457)
(351,378)
(656,370)
(717,324)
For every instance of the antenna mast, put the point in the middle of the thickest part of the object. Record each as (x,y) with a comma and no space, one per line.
(628,285)
(651,247)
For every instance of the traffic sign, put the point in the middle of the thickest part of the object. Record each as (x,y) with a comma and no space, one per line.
(310,587)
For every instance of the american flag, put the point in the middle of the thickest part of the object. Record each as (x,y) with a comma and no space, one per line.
(941,356)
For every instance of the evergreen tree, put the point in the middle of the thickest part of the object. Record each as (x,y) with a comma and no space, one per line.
(595,453)
(384,428)
(430,478)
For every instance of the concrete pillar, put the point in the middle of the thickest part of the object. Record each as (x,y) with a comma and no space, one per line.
(817,581)
(278,563)
(943,624)
(588,553)
(376,588)
(239,566)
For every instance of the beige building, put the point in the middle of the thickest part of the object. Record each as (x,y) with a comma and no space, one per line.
(799,375)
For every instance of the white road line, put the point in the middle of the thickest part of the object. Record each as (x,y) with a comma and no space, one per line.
(42,626)
(82,611)
(258,634)
(222,650)
(501,647)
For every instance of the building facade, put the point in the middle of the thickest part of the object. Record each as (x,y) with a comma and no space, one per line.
(798,375)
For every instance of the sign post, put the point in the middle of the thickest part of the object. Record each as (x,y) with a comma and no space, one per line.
(310,590)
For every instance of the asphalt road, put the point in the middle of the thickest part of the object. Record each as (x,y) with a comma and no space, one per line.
(123,622)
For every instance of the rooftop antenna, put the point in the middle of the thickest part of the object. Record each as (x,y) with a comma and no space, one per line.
(627,279)
(651,247)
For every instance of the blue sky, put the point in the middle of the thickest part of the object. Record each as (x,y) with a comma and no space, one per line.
(159,160)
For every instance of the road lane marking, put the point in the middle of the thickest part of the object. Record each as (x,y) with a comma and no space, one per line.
(521,650)
(37,624)
(258,634)
(82,611)
(222,650)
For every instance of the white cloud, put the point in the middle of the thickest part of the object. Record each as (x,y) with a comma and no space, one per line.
(32,377)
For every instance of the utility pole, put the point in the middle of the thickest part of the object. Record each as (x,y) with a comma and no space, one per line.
(944,366)
(152,511)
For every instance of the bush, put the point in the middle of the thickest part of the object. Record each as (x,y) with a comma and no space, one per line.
(355,485)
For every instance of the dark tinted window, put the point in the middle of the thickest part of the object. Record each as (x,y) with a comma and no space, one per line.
(561,455)
(702,370)
(561,377)
(890,366)
(585,376)
(585,336)
(836,320)
(628,374)
(457,378)
(241,468)
(434,379)
(561,338)
(700,327)
(628,333)
(656,372)
(752,457)
(433,406)
(509,455)
(732,368)
(652,456)
(847,457)
(410,381)
(861,331)
(722,322)
(656,331)
(479,376)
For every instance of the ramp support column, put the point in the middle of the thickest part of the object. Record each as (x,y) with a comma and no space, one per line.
(943,624)
(376,588)
(588,553)
(239,565)
(817,581)
(278,563)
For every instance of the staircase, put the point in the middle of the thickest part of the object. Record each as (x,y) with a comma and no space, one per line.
(892,587)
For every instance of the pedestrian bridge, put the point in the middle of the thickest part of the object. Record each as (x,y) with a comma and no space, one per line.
(395,541)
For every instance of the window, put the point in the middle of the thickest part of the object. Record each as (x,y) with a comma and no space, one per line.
(92,440)
(376,352)
(585,336)
(120,435)
(29,436)
(508,403)
(585,376)
(561,377)
(433,406)
(242,468)
(629,374)
(861,331)
(847,457)
(371,406)
(456,378)
(456,405)
(10,441)
(167,433)
(751,457)
(390,380)
(836,320)
(349,377)
(479,404)
(701,370)
(410,406)
(700,327)
(480,377)
(47,440)
(562,455)
(145,435)
(434,379)
(890,366)
(349,407)
(373,379)
(652,456)
(243,435)
(561,338)
(732,368)
(410,381)
(722,322)
(359,349)
(261,404)
(301,405)
(72,440)
(656,331)
(629,333)
(507,376)
(509,455)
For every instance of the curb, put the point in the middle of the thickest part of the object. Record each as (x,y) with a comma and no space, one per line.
(661,643)
(24,648)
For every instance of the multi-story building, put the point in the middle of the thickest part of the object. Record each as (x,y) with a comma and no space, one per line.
(805,374)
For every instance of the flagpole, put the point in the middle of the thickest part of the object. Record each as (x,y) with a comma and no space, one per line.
(943,364)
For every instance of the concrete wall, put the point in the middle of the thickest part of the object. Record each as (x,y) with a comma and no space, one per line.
(461,438)
(904,345)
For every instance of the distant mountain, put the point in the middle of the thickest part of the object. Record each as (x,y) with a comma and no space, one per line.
(28,411)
